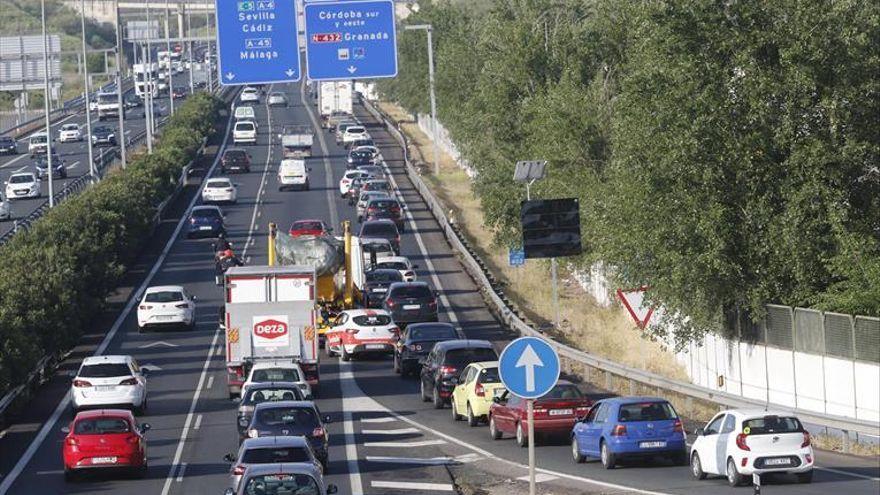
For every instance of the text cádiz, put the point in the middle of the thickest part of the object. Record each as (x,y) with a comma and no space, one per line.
(252,24)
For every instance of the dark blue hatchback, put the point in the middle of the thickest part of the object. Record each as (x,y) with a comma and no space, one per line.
(622,427)
(205,221)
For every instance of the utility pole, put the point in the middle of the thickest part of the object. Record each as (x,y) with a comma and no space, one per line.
(148,57)
(82,18)
(169,69)
(189,52)
(429,29)
(121,134)
(208,35)
(46,103)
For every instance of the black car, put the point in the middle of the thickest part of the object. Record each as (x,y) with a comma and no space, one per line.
(445,362)
(362,142)
(257,393)
(382,229)
(357,158)
(132,100)
(8,145)
(103,135)
(416,342)
(206,221)
(410,302)
(59,171)
(292,418)
(376,286)
(235,159)
(385,209)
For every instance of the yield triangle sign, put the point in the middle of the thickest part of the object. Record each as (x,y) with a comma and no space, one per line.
(634,302)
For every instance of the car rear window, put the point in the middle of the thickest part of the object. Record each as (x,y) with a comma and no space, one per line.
(383,203)
(470,355)
(104,370)
(355,130)
(646,411)
(275,375)
(164,297)
(272,395)
(299,416)
(772,425)
(100,426)
(489,375)
(235,155)
(564,391)
(378,185)
(282,484)
(412,291)
(268,455)
(384,276)
(307,226)
(376,320)
(379,230)
(244,126)
(393,265)
(207,213)
(432,333)
(219,183)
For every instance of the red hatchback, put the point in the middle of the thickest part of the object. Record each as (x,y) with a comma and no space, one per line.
(555,413)
(308,227)
(105,438)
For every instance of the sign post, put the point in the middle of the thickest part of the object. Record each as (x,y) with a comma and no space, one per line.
(529,367)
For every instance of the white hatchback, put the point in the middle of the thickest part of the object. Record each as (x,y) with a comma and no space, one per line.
(219,189)
(249,95)
(167,305)
(278,371)
(5,212)
(739,443)
(105,381)
(22,186)
(353,133)
(346,181)
(245,131)
(400,263)
(70,133)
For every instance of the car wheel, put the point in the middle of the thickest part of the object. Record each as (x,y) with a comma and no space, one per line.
(733,476)
(494,432)
(345,356)
(142,329)
(69,475)
(141,409)
(425,397)
(576,453)
(697,467)
(609,460)
(455,415)
(471,419)
(436,399)
(232,395)
(141,472)
(521,439)
(680,459)
(330,353)
(806,477)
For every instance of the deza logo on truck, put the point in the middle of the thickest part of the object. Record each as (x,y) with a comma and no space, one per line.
(271,331)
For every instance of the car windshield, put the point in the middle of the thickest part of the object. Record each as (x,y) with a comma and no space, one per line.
(271,395)
(376,320)
(275,375)
(460,357)
(489,375)
(20,179)
(277,95)
(41,138)
(102,130)
(379,230)
(104,370)
(646,411)
(164,297)
(268,455)
(384,276)
(219,184)
(235,155)
(425,332)
(206,213)
(299,416)
(282,484)
(70,127)
(107,98)
(412,291)
(307,226)
(101,426)
(772,425)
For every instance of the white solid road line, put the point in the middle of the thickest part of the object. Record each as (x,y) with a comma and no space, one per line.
(10,162)
(329,182)
(250,239)
(422,443)
(210,379)
(407,485)
(198,422)
(539,477)
(378,420)
(845,473)
(134,298)
(426,461)
(399,431)
(180,472)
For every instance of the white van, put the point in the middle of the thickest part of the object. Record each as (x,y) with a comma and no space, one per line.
(244,132)
(38,144)
(293,174)
(245,113)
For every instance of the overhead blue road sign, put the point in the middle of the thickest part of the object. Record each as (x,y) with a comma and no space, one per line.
(529,367)
(516,256)
(257,42)
(350,40)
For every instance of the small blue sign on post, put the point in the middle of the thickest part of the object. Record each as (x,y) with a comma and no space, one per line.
(350,40)
(529,367)
(516,256)
(257,42)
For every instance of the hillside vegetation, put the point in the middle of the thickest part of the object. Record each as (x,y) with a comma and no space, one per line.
(725,153)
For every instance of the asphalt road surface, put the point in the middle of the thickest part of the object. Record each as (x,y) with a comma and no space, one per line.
(384,439)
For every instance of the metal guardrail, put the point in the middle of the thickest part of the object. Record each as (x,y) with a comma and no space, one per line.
(501,306)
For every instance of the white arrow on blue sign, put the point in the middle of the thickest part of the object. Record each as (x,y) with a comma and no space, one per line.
(529,367)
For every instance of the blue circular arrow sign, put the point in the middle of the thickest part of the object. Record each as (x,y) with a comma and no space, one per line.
(529,367)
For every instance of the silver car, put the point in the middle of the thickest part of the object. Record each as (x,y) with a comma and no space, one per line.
(277,99)
(270,450)
(365,198)
(272,479)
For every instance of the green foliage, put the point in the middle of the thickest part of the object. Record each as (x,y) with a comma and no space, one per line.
(725,153)
(56,276)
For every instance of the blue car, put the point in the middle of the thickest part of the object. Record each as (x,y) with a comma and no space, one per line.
(629,427)
(206,221)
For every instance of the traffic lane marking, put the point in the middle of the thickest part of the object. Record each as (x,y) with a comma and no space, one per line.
(422,443)
(539,478)
(408,485)
(399,431)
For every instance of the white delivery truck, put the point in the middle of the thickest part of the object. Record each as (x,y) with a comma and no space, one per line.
(270,315)
(108,106)
(296,141)
(146,79)
(334,97)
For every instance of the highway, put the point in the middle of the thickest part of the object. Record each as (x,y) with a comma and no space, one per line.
(384,439)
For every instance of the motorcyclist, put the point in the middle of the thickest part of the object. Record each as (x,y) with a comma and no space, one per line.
(225,260)
(222,244)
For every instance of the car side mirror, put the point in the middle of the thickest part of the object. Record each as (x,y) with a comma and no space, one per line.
(328,419)
(498,400)
(331,488)
(454,380)
(700,432)
(145,371)
(230,457)
(65,430)
(194,299)
(145,427)
(229,492)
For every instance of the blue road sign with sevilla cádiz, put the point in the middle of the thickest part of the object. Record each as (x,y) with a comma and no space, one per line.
(257,42)
(529,367)
(350,40)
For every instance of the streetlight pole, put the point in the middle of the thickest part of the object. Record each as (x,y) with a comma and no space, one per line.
(46,103)
(189,52)
(169,69)
(208,35)
(429,29)
(121,134)
(82,18)
(148,58)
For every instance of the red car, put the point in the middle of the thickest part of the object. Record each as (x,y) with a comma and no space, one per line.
(105,438)
(555,413)
(308,227)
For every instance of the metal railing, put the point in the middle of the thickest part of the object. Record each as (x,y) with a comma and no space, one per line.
(502,307)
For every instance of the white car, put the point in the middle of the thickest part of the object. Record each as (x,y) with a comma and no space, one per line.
(277,99)
(22,186)
(400,263)
(249,95)
(353,133)
(108,381)
(347,179)
(358,331)
(293,174)
(5,213)
(245,132)
(278,371)
(219,189)
(245,112)
(70,133)
(167,305)
(372,149)
(38,143)
(738,443)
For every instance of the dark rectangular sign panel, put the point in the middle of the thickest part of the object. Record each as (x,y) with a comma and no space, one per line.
(551,227)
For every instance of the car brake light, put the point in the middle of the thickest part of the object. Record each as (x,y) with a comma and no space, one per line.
(479,390)
(238,470)
(81,383)
(432,304)
(72,441)
(677,427)
(395,331)
(145,306)
(618,431)
(129,381)
(447,370)
(741,442)
(352,331)
(745,460)
(237,371)
(133,439)
(318,432)
(391,303)
(182,305)
(806,442)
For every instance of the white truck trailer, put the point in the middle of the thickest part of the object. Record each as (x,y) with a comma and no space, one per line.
(334,97)
(296,141)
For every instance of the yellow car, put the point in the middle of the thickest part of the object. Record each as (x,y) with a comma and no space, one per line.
(475,388)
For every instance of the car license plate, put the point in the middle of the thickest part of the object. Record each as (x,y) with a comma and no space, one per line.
(163,317)
(561,412)
(652,445)
(412,306)
(380,289)
(783,461)
(103,460)
(105,388)
(205,227)
(375,346)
